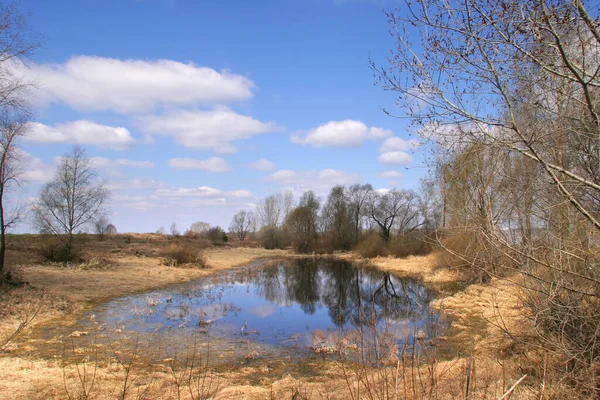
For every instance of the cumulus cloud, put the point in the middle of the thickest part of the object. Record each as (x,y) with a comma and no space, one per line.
(395,157)
(346,133)
(104,162)
(394,150)
(89,83)
(81,132)
(262,165)
(214,129)
(134,163)
(34,170)
(319,181)
(214,164)
(391,174)
(398,144)
(202,191)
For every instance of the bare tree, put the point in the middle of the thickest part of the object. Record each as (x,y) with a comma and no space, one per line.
(357,199)
(396,208)
(12,128)
(270,211)
(200,227)
(337,219)
(512,90)
(174,231)
(111,229)
(101,226)
(17,44)
(74,199)
(242,223)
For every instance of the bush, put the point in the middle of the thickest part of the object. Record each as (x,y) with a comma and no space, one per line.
(271,239)
(53,250)
(373,246)
(415,243)
(475,258)
(216,234)
(181,254)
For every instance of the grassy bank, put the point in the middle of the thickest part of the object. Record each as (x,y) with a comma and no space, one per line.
(482,364)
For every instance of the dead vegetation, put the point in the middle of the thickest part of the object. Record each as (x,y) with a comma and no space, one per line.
(475,359)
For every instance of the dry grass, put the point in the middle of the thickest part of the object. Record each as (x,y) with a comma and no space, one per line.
(135,265)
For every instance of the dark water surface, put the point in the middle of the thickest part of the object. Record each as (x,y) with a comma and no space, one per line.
(284,308)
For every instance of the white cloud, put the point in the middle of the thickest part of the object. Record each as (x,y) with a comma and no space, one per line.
(134,163)
(398,144)
(81,132)
(34,169)
(202,192)
(214,164)
(103,162)
(90,83)
(391,174)
(262,165)
(395,157)
(318,181)
(346,133)
(214,129)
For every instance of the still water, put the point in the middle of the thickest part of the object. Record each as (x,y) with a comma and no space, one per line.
(290,308)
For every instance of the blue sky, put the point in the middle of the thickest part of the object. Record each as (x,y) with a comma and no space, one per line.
(193,110)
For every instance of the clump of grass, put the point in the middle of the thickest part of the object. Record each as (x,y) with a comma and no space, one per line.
(97,262)
(184,254)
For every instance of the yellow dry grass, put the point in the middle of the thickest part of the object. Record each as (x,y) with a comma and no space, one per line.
(425,268)
(136,268)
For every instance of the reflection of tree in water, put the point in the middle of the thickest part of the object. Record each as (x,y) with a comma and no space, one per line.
(362,296)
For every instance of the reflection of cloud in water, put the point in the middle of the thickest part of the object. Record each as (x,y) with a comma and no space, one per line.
(263,311)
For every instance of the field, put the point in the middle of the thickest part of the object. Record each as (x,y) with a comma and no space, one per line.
(474,359)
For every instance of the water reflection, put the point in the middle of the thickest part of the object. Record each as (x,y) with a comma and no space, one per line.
(286,305)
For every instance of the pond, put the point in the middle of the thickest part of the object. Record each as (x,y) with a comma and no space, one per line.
(270,309)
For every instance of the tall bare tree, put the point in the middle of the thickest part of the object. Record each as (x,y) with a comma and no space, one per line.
(11,130)
(396,208)
(512,89)
(74,199)
(242,223)
(337,219)
(357,198)
(17,43)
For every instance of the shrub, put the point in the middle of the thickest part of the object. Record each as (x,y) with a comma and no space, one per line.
(215,234)
(373,246)
(181,254)
(415,243)
(475,258)
(271,238)
(53,250)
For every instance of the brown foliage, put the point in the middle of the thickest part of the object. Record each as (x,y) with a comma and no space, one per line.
(182,253)
(373,246)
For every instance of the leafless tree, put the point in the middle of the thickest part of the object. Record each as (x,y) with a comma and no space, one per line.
(74,199)
(200,227)
(358,196)
(111,229)
(242,223)
(174,231)
(337,219)
(101,226)
(269,211)
(512,91)
(396,208)
(17,43)
(12,128)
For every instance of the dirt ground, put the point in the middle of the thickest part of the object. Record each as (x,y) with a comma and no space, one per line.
(132,263)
